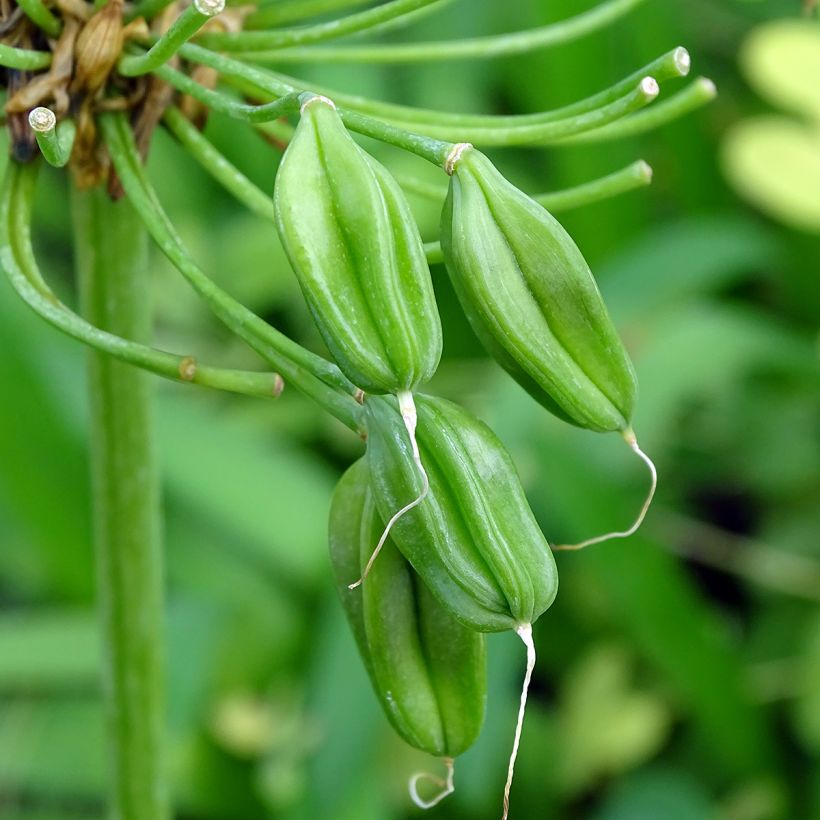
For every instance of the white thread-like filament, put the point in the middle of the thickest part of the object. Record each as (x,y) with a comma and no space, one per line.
(446,785)
(525,633)
(630,439)
(407,408)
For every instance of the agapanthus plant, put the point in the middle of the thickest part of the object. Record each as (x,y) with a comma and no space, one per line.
(432,540)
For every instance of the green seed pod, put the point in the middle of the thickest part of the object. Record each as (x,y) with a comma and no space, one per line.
(352,241)
(531,298)
(427,669)
(473,539)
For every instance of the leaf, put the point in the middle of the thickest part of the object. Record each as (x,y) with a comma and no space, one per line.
(774,162)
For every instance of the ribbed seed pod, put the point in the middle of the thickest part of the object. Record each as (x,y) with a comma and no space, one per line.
(428,671)
(473,540)
(532,300)
(352,241)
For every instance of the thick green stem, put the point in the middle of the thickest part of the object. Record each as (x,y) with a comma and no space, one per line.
(110,253)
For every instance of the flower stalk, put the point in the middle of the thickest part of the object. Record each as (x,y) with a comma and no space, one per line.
(110,256)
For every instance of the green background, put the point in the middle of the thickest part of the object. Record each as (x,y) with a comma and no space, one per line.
(679,671)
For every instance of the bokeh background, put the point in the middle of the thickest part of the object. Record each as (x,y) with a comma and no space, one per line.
(679,671)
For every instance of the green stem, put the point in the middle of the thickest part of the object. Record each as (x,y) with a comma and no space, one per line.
(23,59)
(289,104)
(636,175)
(518,42)
(56,143)
(544,133)
(110,256)
(182,29)
(696,94)
(212,161)
(433,150)
(277,13)
(672,65)
(41,16)
(362,21)
(20,266)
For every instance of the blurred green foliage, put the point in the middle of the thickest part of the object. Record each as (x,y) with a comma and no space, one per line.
(678,671)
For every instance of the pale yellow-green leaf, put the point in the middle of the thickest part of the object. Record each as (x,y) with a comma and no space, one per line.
(782,61)
(774,162)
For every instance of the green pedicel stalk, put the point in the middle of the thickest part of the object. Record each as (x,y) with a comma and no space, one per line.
(20,266)
(672,65)
(361,21)
(56,141)
(533,302)
(23,59)
(518,42)
(474,542)
(112,268)
(427,670)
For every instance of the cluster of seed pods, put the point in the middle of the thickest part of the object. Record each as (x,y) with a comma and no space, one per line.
(461,553)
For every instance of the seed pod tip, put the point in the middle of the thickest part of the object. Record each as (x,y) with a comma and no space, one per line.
(644,170)
(210,8)
(42,119)
(683,61)
(649,87)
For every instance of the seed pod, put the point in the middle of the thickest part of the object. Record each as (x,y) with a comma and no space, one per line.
(531,298)
(349,234)
(428,671)
(473,540)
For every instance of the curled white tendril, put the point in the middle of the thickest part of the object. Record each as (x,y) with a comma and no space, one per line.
(630,439)
(408,413)
(445,784)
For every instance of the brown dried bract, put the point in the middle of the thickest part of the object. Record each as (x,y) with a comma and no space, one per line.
(98,49)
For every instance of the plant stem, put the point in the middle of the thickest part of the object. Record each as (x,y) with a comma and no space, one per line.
(110,256)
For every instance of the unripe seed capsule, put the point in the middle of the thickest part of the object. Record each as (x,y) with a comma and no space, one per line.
(428,671)
(533,302)
(531,298)
(474,540)
(352,241)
